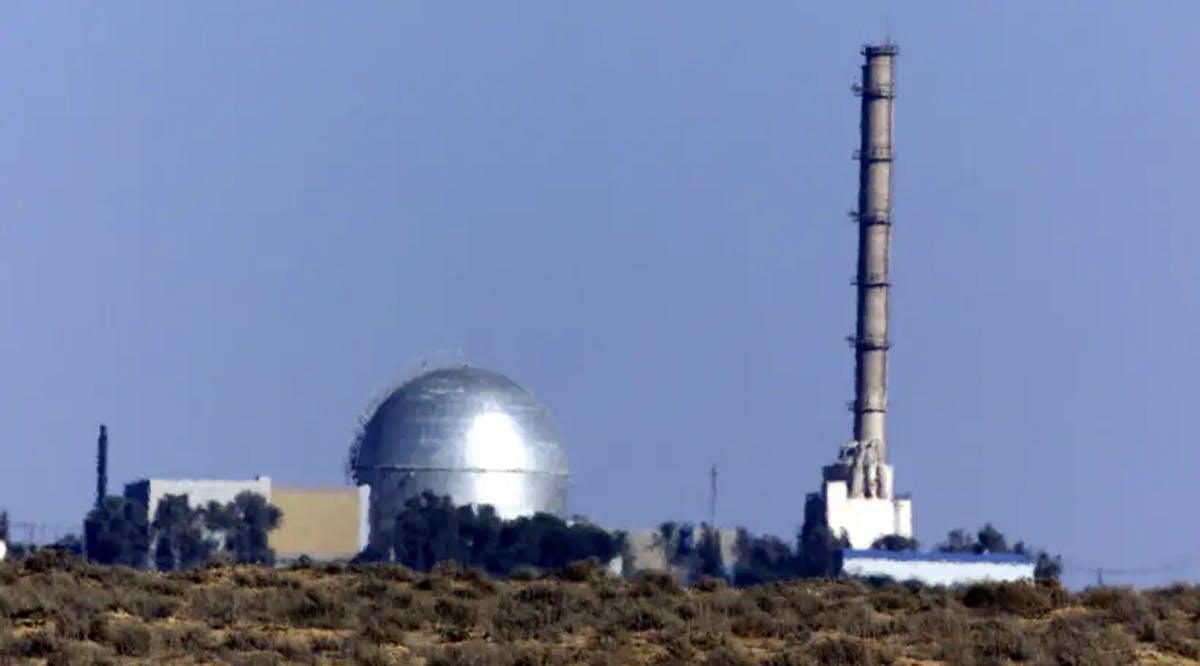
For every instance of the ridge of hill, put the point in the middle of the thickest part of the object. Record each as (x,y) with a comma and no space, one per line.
(55,610)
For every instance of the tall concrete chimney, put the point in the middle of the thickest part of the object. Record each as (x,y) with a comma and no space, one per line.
(857,500)
(101,466)
(874,216)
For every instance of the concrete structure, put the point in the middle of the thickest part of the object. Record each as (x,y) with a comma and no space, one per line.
(199,492)
(320,523)
(858,495)
(470,434)
(647,552)
(938,569)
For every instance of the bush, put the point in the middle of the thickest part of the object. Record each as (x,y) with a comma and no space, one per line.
(1017,598)
(131,640)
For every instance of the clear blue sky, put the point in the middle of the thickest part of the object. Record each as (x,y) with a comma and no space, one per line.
(224,225)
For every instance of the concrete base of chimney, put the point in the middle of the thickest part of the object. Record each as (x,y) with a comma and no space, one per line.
(863,520)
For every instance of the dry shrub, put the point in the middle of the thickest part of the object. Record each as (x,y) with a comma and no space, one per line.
(473,653)
(455,612)
(655,584)
(80,654)
(264,578)
(895,598)
(53,560)
(130,639)
(369,654)
(255,659)
(385,571)
(710,584)
(639,616)
(146,605)
(939,634)
(1179,598)
(241,639)
(1000,640)
(1076,640)
(793,656)
(310,607)
(533,612)
(1016,598)
(434,583)
(524,574)
(294,647)
(728,656)
(39,643)
(843,651)
(218,606)
(1178,638)
(192,639)
(1122,605)
(582,571)
(165,585)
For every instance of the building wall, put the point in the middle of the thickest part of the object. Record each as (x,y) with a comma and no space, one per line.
(863,519)
(938,568)
(198,491)
(322,523)
(648,554)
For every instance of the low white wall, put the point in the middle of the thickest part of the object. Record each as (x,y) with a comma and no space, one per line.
(938,568)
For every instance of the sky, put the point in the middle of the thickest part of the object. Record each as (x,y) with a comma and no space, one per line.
(226,226)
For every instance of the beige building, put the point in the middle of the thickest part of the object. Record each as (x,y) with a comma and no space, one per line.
(322,523)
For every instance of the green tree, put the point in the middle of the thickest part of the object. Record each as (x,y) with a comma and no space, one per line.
(818,548)
(763,559)
(895,543)
(431,529)
(70,544)
(245,525)
(178,534)
(957,541)
(4,526)
(116,532)
(990,540)
(708,554)
(1048,567)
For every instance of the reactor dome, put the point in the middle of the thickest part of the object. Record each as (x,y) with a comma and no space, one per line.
(463,432)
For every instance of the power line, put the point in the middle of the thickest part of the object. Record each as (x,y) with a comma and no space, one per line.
(1182,564)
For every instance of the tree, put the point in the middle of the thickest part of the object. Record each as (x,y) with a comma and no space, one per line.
(990,540)
(431,529)
(1048,567)
(895,543)
(115,532)
(4,526)
(763,559)
(957,541)
(818,548)
(69,544)
(178,535)
(708,554)
(245,524)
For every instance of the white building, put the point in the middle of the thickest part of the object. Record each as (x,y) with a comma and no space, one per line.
(199,492)
(938,569)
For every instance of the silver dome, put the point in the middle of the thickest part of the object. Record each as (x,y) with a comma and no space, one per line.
(471,434)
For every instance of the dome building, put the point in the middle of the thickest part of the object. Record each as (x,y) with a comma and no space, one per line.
(463,432)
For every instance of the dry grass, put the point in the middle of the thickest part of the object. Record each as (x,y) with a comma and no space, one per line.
(56,611)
